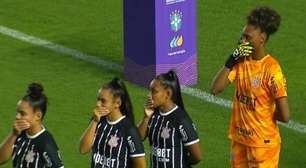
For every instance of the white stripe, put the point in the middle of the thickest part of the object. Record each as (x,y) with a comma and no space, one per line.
(181,143)
(157,120)
(119,68)
(126,155)
(173,147)
(165,164)
(158,135)
(119,150)
(110,130)
(21,148)
(25,152)
(36,164)
(101,137)
(137,155)
(192,142)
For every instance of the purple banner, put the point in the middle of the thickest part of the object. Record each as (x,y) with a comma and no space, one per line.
(158,36)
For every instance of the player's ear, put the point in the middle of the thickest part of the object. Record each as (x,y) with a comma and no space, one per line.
(169,93)
(38,115)
(118,102)
(263,37)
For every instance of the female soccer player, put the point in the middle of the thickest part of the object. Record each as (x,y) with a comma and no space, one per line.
(30,144)
(171,132)
(260,94)
(111,135)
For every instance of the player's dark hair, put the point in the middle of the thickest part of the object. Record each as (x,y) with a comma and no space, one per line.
(36,98)
(118,90)
(171,81)
(265,18)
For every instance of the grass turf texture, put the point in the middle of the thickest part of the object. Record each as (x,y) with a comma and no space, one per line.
(95,27)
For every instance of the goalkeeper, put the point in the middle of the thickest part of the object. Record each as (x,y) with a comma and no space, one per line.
(260,94)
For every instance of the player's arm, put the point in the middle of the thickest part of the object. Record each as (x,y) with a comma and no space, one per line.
(282,109)
(143,125)
(6,148)
(135,148)
(51,155)
(88,136)
(87,139)
(194,155)
(220,81)
(139,162)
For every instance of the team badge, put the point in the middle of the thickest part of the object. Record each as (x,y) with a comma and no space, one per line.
(255,82)
(30,156)
(113,141)
(165,133)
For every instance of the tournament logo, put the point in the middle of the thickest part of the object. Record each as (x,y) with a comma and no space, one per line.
(176,20)
(113,141)
(165,133)
(177,41)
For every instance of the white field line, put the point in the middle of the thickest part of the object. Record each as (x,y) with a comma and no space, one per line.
(194,92)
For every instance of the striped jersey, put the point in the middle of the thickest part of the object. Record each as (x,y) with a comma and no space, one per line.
(115,144)
(38,151)
(258,83)
(169,133)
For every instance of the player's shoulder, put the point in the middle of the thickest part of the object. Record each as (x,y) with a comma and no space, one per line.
(271,61)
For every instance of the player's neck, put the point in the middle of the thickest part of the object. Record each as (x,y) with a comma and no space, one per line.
(167,107)
(114,116)
(34,130)
(259,54)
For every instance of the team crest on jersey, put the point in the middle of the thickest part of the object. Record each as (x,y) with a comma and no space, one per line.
(113,141)
(255,83)
(30,156)
(165,133)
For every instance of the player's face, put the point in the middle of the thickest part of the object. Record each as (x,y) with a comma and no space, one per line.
(25,112)
(254,35)
(106,99)
(158,93)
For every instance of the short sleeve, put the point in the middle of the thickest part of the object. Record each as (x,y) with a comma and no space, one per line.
(277,82)
(232,75)
(188,131)
(135,146)
(51,155)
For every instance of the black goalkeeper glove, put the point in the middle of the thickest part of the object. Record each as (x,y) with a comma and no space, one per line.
(243,50)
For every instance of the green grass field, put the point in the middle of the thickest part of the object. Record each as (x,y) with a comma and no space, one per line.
(95,27)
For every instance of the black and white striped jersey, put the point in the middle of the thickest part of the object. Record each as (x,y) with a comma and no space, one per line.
(115,144)
(38,151)
(169,133)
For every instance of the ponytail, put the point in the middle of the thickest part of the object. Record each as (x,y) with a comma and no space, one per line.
(36,98)
(171,81)
(118,90)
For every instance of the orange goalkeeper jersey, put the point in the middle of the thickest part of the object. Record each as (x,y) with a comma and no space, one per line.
(257,84)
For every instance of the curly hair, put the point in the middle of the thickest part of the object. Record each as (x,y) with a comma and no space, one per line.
(265,18)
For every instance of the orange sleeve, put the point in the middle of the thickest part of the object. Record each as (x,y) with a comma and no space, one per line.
(277,82)
(232,75)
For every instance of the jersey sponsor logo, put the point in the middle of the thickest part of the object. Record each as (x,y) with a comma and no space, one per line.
(113,141)
(162,154)
(104,161)
(248,101)
(47,159)
(183,133)
(131,144)
(30,156)
(244,132)
(165,133)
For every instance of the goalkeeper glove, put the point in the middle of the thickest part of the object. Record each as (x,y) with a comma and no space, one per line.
(243,50)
